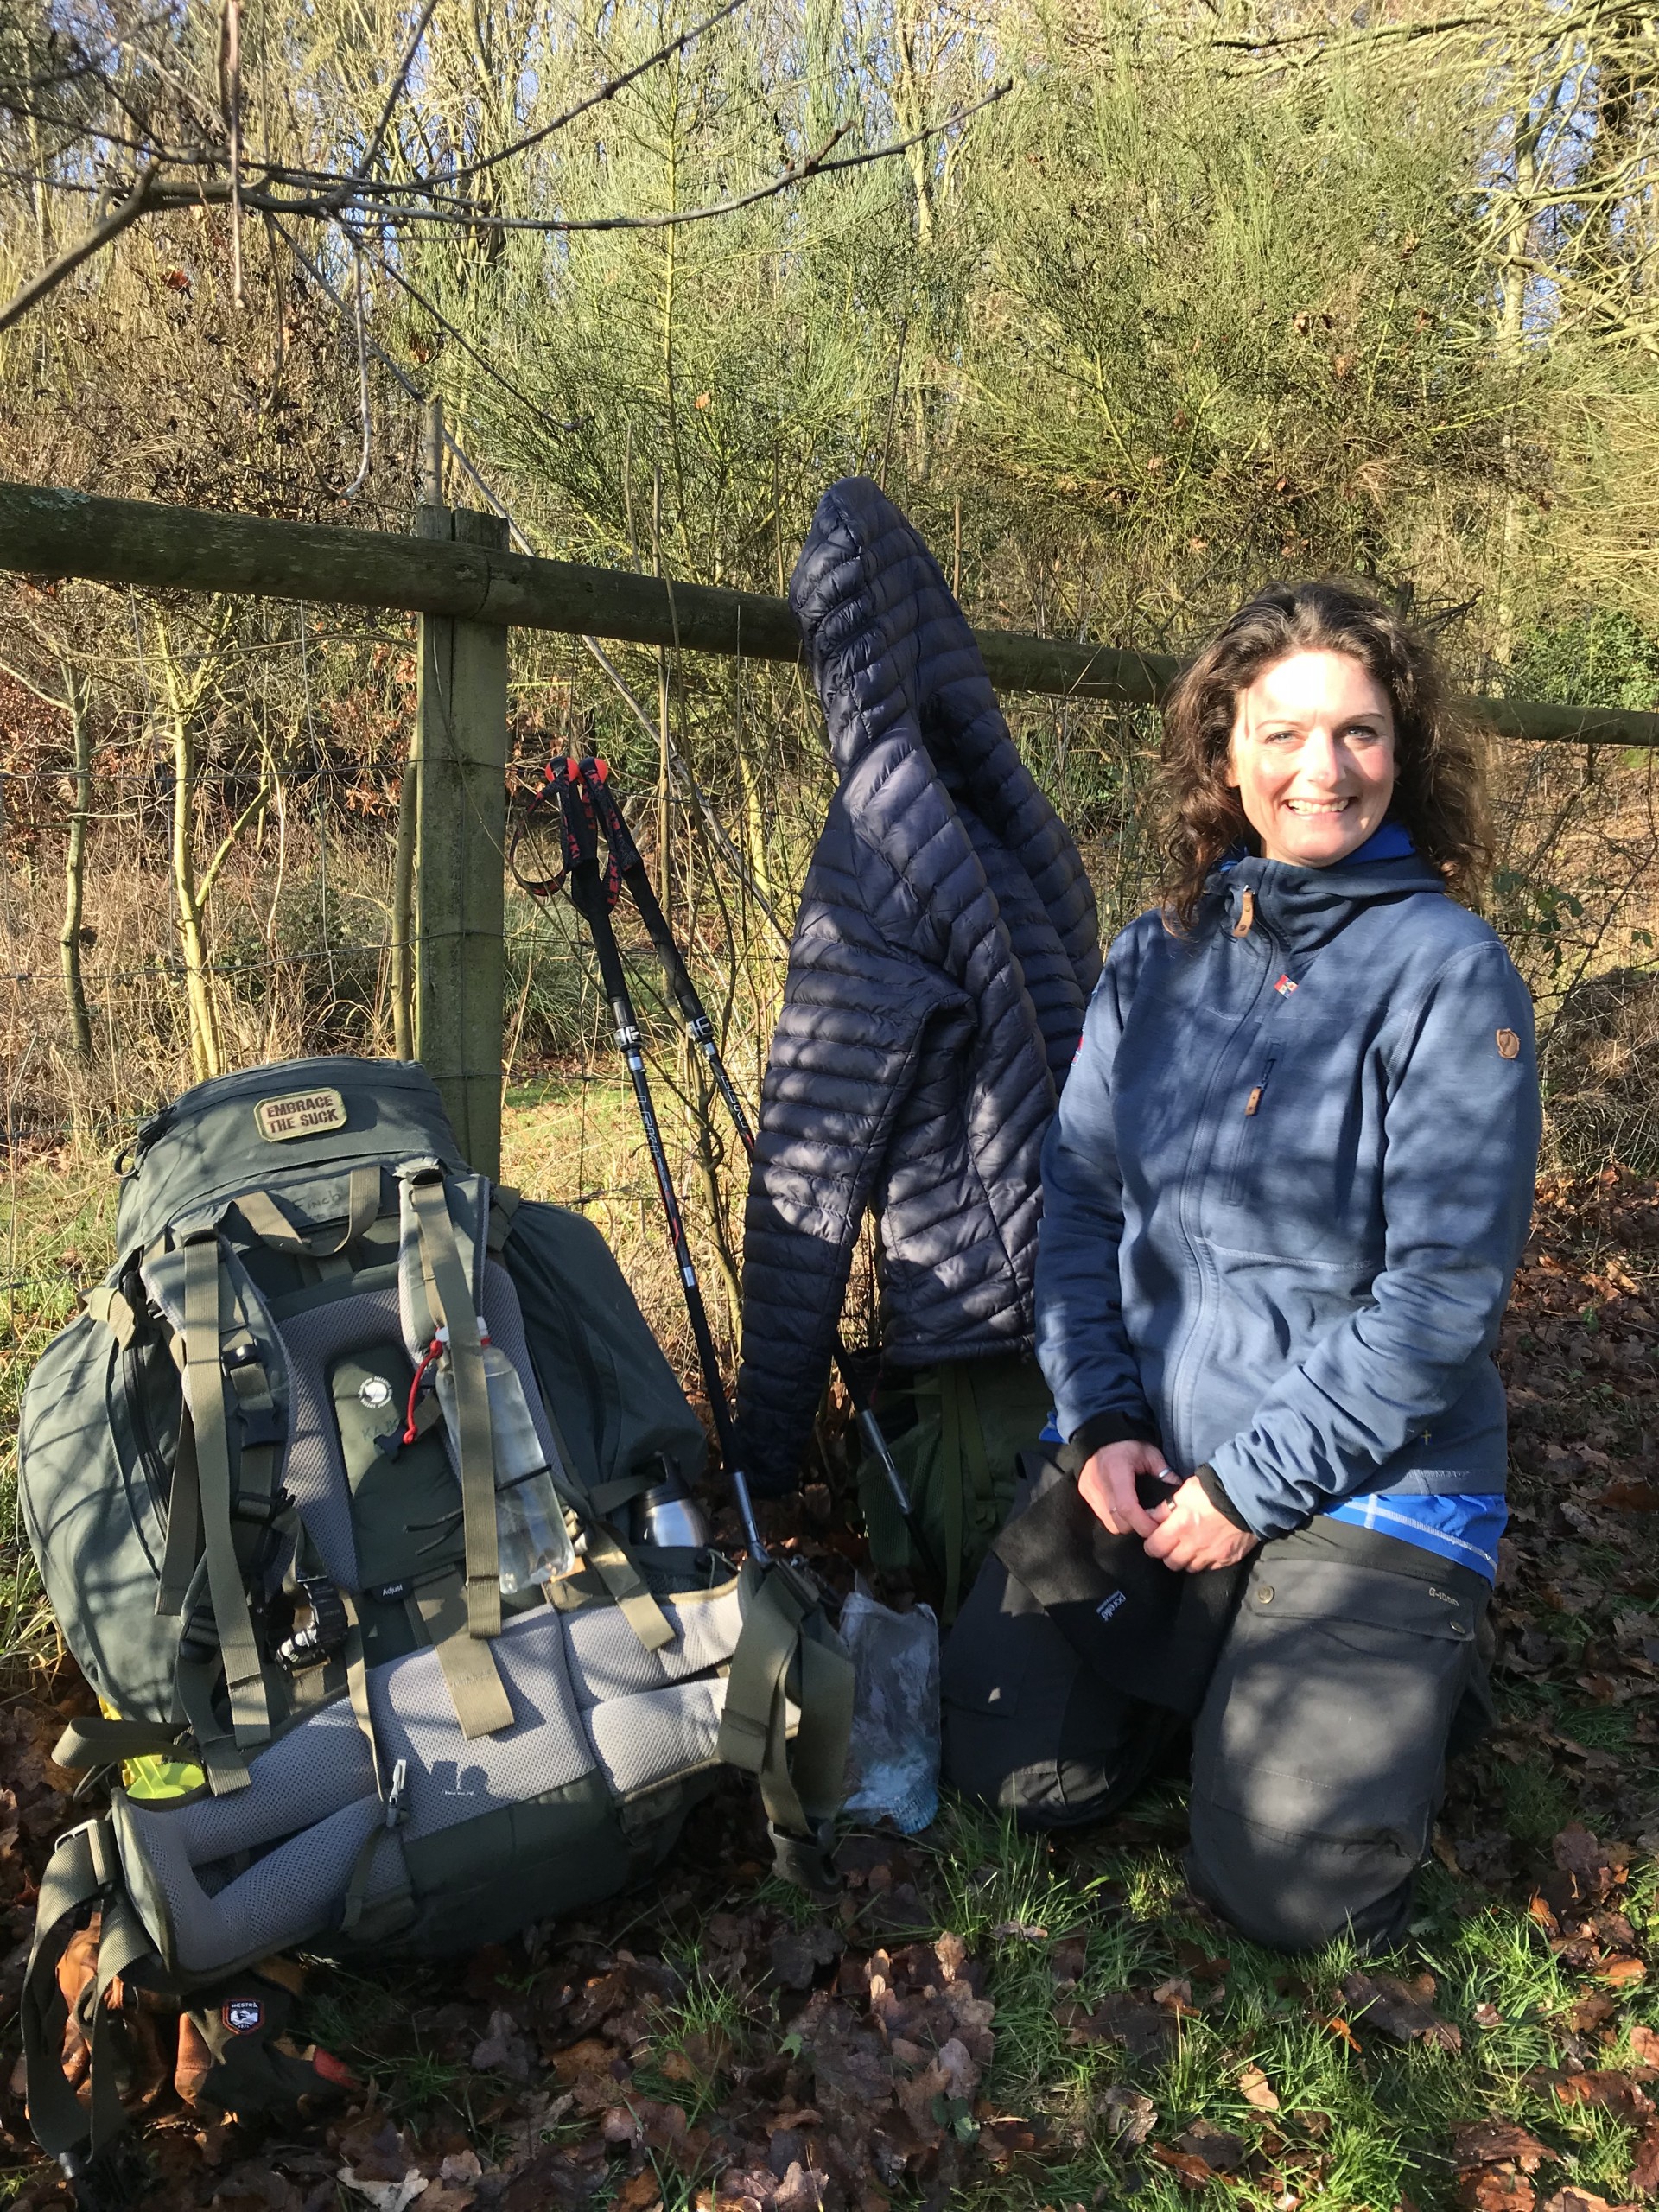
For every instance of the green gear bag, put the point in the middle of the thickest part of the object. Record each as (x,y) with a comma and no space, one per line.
(261,1477)
(955,1431)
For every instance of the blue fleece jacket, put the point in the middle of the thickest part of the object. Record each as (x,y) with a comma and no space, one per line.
(1287,1186)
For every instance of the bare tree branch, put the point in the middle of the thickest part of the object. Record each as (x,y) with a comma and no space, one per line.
(468,217)
(606,92)
(322,181)
(67,262)
(391,269)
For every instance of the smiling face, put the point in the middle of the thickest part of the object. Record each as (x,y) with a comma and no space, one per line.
(1312,758)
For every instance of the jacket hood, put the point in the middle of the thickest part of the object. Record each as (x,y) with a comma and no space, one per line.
(904,689)
(895,653)
(1303,908)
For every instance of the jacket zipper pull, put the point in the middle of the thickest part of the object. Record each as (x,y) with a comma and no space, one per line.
(1246,921)
(1258,1090)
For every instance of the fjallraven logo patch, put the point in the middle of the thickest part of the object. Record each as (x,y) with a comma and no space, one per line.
(242,2015)
(1509,1044)
(302,1114)
(1284,987)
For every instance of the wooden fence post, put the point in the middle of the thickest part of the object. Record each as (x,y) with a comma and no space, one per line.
(460,855)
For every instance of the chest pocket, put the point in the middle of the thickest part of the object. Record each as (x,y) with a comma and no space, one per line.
(1242,1150)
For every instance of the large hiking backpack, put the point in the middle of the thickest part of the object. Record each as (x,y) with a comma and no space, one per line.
(274,1555)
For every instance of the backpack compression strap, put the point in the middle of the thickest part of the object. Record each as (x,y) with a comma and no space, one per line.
(607,1555)
(94,1739)
(451,1295)
(84,1874)
(204,1373)
(785,1648)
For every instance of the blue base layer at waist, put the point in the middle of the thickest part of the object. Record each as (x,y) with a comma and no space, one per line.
(1464,1526)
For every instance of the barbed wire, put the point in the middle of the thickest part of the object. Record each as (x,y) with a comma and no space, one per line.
(527,764)
(176,971)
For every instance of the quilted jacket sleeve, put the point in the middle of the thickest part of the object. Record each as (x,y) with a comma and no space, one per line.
(843,1061)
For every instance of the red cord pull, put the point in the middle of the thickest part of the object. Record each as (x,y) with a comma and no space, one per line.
(433,1352)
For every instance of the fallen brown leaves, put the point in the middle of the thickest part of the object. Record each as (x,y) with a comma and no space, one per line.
(1401,2009)
(1127,2018)
(896,2050)
(1287,2173)
(1256,2090)
(823,2064)
(1493,2158)
(1496,2142)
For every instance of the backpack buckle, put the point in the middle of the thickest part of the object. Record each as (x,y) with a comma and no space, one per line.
(808,1861)
(325,1633)
(260,1425)
(396,1808)
(264,1511)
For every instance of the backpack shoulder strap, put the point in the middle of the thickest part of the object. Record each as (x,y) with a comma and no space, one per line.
(204,1380)
(452,1300)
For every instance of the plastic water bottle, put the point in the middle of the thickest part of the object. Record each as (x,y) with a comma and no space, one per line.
(532,1541)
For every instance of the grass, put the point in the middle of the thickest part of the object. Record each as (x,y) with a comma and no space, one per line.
(1360,2128)
(1374,2121)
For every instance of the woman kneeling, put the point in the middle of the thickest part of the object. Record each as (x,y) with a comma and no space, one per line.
(1288,1187)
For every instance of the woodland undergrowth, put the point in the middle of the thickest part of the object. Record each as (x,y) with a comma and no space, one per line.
(983,2018)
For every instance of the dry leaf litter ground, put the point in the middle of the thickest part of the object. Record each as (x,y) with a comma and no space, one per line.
(987,2020)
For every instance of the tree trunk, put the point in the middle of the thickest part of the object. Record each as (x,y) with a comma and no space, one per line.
(184,696)
(77,697)
(205,1052)
(1511,339)
(403,908)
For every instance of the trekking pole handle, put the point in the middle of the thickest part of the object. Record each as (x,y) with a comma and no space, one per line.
(625,859)
(595,773)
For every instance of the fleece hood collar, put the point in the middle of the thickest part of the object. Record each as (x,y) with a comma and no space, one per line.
(1303,908)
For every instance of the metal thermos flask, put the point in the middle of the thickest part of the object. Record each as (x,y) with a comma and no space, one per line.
(668,1514)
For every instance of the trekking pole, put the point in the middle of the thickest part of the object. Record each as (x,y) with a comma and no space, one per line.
(629,866)
(589,893)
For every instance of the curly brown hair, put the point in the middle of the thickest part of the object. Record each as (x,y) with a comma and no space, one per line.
(1439,778)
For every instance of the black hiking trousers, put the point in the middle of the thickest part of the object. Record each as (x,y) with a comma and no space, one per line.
(1352,1664)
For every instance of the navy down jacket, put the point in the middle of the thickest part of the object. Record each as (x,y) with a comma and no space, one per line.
(1287,1189)
(945,950)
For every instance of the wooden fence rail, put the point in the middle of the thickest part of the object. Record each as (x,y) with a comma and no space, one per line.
(49,532)
(469,590)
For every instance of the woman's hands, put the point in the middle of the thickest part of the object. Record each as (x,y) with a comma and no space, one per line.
(1187,1534)
(1192,1535)
(1108,1485)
